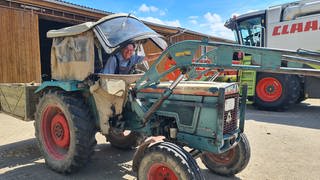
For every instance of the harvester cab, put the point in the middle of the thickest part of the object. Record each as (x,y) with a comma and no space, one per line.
(290,26)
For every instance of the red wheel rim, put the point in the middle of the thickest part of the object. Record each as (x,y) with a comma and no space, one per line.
(60,131)
(55,132)
(159,171)
(224,158)
(269,89)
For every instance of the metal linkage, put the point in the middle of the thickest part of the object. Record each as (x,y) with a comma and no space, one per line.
(159,102)
(221,54)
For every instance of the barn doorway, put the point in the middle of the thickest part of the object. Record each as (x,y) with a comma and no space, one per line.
(45,44)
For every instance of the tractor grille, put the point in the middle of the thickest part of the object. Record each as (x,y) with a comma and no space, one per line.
(231,116)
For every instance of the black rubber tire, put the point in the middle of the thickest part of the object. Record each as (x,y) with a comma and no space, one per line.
(175,158)
(125,142)
(81,131)
(238,159)
(302,96)
(300,99)
(291,88)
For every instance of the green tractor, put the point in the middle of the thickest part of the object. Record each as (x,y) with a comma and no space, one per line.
(182,119)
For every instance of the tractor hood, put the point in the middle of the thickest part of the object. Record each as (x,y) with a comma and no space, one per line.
(197,88)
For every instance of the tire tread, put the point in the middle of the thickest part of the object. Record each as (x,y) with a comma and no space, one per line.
(84,130)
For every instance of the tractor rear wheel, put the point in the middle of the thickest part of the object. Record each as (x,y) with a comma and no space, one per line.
(276,91)
(124,139)
(166,160)
(230,162)
(64,130)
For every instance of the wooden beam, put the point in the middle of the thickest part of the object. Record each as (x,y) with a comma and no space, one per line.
(65,8)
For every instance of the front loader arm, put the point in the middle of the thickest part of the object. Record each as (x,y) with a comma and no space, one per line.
(220,57)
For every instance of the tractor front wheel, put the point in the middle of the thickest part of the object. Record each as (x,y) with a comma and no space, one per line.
(64,130)
(166,160)
(230,162)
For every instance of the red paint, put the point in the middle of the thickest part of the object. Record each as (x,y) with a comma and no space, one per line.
(222,159)
(55,132)
(295,28)
(285,29)
(160,171)
(269,89)
(311,25)
(169,63)
(276,31)
(60,131)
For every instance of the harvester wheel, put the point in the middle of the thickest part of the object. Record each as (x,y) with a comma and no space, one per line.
(230,162)
(124,139)
(166,160)
(276,91)
(64,130)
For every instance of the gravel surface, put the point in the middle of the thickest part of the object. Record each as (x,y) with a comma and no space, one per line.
(284,145)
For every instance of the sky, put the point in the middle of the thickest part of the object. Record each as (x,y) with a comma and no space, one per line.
(203,16)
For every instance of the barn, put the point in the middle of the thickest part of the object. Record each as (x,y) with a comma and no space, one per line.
(25,49)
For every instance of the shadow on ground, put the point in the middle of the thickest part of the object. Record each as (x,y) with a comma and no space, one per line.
(208,175)
(22,160)
(301,115)
(19,153)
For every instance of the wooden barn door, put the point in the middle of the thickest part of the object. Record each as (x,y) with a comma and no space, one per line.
(19,46)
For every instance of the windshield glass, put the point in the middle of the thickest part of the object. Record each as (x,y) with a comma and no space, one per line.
(251,32)
(120,29)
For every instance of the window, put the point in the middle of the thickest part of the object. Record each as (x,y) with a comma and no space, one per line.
(251,31)
(120,29)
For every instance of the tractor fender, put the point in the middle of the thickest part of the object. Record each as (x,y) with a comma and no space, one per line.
(138,155)
(64,85)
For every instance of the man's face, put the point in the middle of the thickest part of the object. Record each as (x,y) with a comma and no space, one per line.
(128,52)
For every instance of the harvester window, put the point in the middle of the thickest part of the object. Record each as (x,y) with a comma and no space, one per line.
(251,31)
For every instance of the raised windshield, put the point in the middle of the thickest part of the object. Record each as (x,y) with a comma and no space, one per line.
(120,29)
(251,32)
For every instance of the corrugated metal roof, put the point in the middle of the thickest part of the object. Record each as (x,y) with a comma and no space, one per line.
(65,3)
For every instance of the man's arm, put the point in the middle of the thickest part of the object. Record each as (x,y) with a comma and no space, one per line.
(110,66)
(141,58)
(138,59)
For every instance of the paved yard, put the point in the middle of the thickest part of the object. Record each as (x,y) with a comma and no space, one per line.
(284,145)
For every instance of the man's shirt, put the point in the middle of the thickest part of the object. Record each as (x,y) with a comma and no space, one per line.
(124,65)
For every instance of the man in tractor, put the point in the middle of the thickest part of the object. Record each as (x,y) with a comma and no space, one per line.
(122,62)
